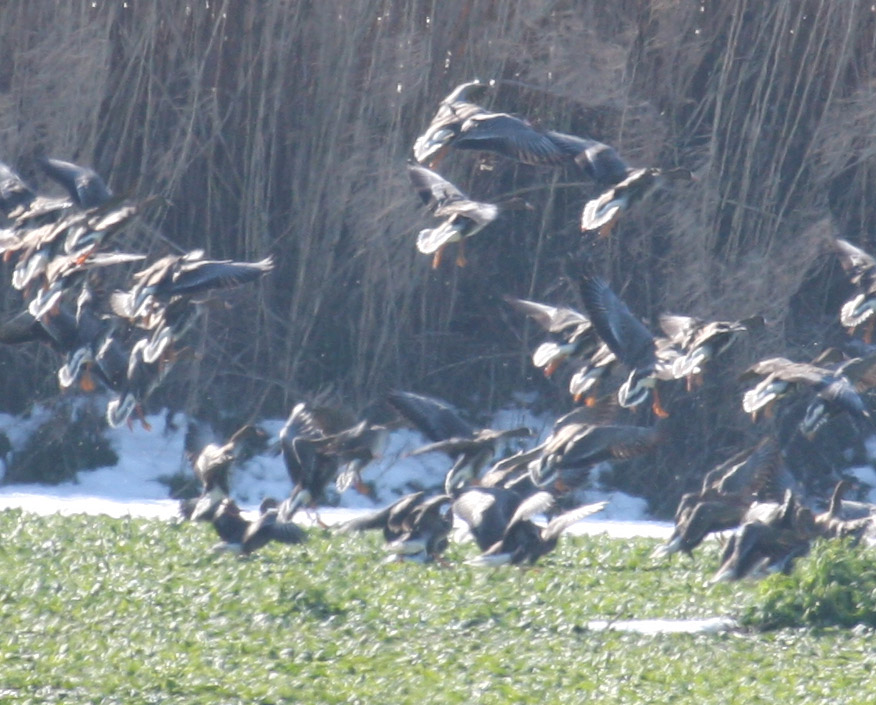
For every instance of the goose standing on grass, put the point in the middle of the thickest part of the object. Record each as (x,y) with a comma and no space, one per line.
(414,527)
(470,448)
(486,511)
(577,335)
(391,520)
(426,531)
(628,338)
(844,519)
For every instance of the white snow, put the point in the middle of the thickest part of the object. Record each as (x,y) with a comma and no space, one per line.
(866,475)
(135,486)
(710,625)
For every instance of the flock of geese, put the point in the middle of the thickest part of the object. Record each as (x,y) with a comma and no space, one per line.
(752,493)
(129,344)
(127,341)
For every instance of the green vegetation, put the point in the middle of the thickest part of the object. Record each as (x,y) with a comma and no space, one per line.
(133,611)
(834,585)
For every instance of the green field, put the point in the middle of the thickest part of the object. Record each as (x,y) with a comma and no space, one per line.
(95,609)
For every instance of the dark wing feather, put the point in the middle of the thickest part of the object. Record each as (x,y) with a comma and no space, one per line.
(24,328)
(625,335)
(511,137)
(286,532)
(601,161)
(196,277)
(85,186)
(435,419)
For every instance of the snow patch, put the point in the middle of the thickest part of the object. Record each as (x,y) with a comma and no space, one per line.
(711,625)
(137,485)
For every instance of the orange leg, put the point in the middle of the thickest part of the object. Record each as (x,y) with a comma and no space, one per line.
(362,488)
(657,407)
(606,229)
(461,261)
(83,257)
(694,381)
(142,416)
(436,258)
(439,156)
(552,366)
(86,382)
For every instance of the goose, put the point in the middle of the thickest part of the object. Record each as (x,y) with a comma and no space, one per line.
(470,448)
(577,334)
(86,187)
(601,213)
(520,540)
(628,338)
(242,536)
(462,217)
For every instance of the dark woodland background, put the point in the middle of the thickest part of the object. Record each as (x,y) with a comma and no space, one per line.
(283,127)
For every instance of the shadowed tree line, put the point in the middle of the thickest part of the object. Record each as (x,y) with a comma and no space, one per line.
(283,127)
